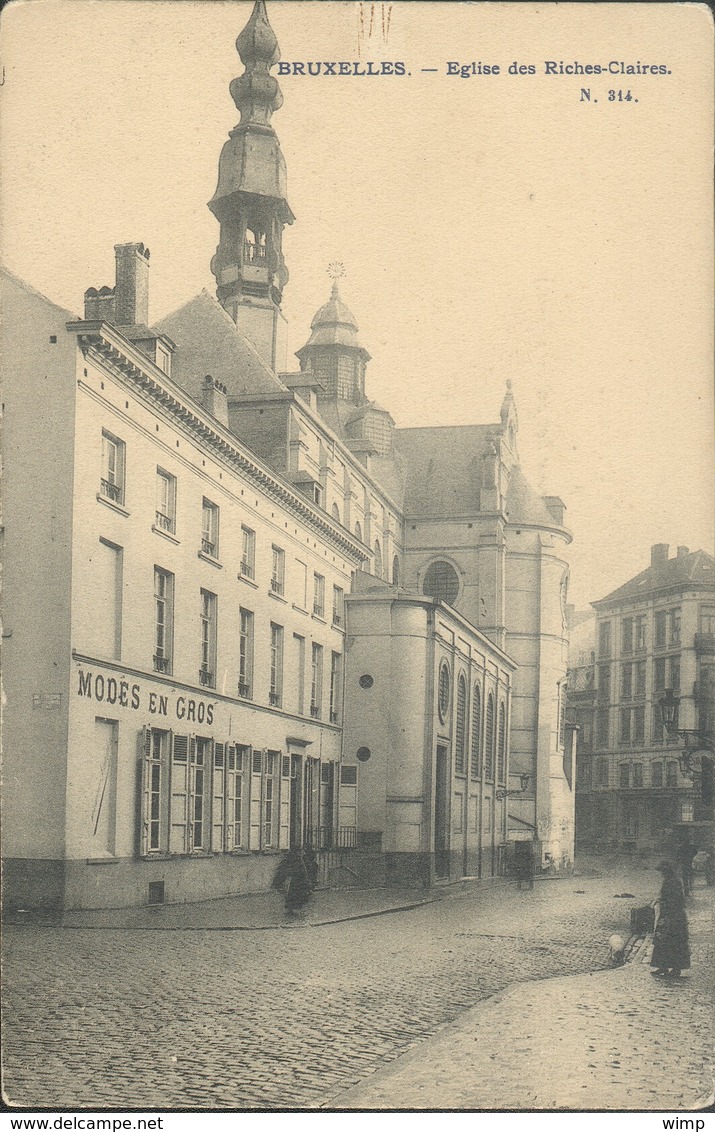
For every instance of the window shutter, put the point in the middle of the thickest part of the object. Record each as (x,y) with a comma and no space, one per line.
(145,779)
(284,832)
(179,798)
(256,798)
(219,810)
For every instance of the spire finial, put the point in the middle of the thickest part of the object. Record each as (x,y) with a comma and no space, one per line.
(336,270)
(256,93)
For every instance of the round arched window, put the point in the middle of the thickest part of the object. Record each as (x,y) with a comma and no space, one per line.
(441,581)
(444,688)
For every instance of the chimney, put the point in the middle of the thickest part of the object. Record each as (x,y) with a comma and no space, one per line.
(215,399)
(99,304)
(683,552)
(132,287)
(659,553)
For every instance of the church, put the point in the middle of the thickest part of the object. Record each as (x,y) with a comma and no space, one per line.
(250,612)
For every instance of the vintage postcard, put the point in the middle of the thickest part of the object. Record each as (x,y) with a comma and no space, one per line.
(358,584)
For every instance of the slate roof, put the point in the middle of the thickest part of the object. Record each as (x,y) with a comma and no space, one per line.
(696,568)
(208,341)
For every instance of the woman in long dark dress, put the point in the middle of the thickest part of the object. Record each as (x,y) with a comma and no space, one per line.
(671,946)
(296,870)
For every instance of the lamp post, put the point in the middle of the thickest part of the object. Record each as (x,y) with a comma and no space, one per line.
(524,780)
(696,741)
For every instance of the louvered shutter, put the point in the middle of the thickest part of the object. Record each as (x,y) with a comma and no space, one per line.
(284,832)
(145,777)
(218,809)
(179,805)
(256,757)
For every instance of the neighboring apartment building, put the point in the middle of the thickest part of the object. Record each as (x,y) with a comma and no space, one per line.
(653,633)
(249,612)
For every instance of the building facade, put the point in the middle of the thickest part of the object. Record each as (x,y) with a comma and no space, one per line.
(654,633)
(249,611)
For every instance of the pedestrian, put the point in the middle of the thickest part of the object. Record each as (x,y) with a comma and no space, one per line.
(671,946)
(524,863)
(684,855)
(296,871)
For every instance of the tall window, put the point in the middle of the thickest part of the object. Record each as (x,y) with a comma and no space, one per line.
(165,518)
(707,620)
(659,674)
(604,683)
(245,654)
(624,776)
(658,732)
(316,683)
(602,772)
(299,648)
(335,672)
(338,606)
(671,774)
(318,595)
(278,571)
(604,639)
(639,725)
(489,739)
(209,528)
(625,731)
(236,771)
(661,629)
(358,531)
(395,571)
(627,636)
(639,670)
(476,752)
(207,671)
(248,552)
(163,619)
(190,794)
(674,627)
(602,727)
(640,633)
(378,559)
(637,775)
(113,467)
(275,695)
(674,667)
(460,733)
(627,682)
(501,743)
(270,798)
(656,775)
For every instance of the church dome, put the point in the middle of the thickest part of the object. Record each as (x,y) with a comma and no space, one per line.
(334,325)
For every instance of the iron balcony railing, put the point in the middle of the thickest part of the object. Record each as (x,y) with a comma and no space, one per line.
(164,522)
(254,252)
(315,711)
(327,837)
(274,699)
(206,677)
(161,663)
(112,491)
(208,547)
(244,690)
(246,569)
(276,586)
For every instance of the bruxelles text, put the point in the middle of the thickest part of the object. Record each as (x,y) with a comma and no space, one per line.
(387,68)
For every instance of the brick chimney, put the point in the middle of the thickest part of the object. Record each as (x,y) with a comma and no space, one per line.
(659,553)
(99,304)
(215,399)
(683,552)
(131,293)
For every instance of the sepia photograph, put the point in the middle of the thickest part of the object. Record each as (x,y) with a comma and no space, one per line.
(358,572)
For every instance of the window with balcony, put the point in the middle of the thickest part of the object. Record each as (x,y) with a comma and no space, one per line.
(245,654)
(338,606)
(316,682)
(113,468)
(248,553)
(627,636)
(604,639)
(209,608)
(163,619)
(278,571)
(335,686)
(209,528)
(165,515)
(275,694)
(318,595)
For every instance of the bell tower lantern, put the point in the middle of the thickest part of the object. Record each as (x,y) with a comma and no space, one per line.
(250,199)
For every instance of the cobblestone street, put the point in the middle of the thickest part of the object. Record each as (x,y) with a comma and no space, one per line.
(200,1019)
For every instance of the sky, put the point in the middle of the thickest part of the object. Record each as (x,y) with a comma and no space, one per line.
(491,227)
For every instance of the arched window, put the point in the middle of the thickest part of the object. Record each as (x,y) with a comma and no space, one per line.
(460,734)
(501,745)
(378,559)
(444,688)
(336,513)
(441,581)
(358,531)
(395,571)
(476,755)
(489,739)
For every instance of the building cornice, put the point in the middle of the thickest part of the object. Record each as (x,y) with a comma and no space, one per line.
(111,349)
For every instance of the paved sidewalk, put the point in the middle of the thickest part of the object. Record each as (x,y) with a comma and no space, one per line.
(258,911)
(553,1044)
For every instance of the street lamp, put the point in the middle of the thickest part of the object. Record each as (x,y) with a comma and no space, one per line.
(524,780)
(703,740)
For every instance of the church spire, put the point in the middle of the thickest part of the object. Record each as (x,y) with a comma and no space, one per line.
(250,199)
